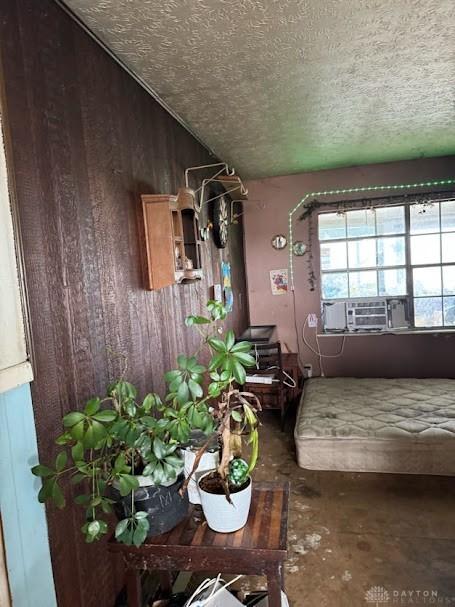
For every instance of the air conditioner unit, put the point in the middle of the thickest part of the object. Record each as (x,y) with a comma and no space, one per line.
(334,316)
(367,315)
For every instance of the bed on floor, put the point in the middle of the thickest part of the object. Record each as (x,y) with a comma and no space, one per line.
(377,425)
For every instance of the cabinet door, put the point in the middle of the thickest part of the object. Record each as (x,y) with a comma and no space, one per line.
(160,243)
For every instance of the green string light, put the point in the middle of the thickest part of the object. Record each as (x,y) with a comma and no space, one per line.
(371,188)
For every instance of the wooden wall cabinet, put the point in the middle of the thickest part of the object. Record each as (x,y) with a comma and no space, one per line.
(172,239)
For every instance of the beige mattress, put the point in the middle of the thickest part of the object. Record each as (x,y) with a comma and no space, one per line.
(377,425)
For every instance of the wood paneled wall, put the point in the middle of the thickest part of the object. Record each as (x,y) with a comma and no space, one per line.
(84,141)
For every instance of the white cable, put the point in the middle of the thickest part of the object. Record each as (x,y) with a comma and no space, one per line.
(205,584)
(293,383)
(318,352)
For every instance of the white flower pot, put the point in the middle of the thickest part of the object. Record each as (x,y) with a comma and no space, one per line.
(209,461)
(221,515)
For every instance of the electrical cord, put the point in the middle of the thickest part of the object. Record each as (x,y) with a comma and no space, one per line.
(318,352)
(206,584)
(289,384)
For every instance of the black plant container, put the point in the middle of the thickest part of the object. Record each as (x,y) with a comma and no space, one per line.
(165,507)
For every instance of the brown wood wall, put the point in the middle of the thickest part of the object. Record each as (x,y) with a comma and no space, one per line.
(85,140)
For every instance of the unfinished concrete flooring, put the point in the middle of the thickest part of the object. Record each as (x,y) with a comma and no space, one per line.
(391,536)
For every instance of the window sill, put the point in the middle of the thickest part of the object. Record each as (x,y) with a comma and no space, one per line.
(388,332)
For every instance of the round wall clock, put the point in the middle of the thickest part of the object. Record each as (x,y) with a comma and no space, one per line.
(299,248)
(279,241)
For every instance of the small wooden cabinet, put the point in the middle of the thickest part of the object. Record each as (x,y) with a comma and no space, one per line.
(172,239)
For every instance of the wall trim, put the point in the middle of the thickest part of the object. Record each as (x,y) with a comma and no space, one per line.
(15,376)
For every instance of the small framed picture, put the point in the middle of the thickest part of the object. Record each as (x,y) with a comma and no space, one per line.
(279,281)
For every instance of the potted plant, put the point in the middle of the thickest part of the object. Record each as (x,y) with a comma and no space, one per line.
(125,455)
(226,491)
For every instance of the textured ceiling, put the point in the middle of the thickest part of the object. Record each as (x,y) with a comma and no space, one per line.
(283,86)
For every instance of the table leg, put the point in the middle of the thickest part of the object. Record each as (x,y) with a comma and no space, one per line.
(275,584)
(133,588)
(166,583)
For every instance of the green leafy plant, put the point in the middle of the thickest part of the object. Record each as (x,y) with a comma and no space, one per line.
(118,437)
(235,411)
(110,443)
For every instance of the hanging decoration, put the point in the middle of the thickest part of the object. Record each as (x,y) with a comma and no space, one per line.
(299,248)
(215,190)
(227,285)
(279,241)
(309,206)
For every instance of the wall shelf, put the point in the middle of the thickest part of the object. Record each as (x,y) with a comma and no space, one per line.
(174,252)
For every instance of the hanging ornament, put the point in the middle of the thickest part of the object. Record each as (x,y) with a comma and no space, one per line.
(299,248)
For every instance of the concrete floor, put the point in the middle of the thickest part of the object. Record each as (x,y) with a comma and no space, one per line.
(350,532)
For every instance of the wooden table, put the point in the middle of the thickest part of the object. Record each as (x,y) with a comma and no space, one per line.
(258,549)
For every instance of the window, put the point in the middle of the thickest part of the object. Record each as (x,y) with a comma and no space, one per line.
(400,250)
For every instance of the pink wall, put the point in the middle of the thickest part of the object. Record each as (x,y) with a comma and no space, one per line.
(266,214)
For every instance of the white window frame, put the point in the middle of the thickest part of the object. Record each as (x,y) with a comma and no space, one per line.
(407,266)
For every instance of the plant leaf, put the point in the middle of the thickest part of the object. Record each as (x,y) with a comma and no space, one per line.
(121,527)
(241,346)
(140,514)
(77,478)
(239,372)
(236,416)
(159,448)
(57,496)
(149,402)
(245,359)
(42,471)
(140,533)
(93,528)
(77,451)
(63,439)
(94,434)
(229,339)
(120,463)
(77,431)
(107,415)
(217,344)
(181,361)
(73,418)
(217,361)
(127,484)
(92,406)
(195,389)
(183,393)
(60,461)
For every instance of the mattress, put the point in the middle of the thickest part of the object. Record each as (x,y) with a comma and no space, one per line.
(377,425)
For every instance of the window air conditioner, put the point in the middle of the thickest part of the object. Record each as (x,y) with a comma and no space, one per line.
(366,314)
